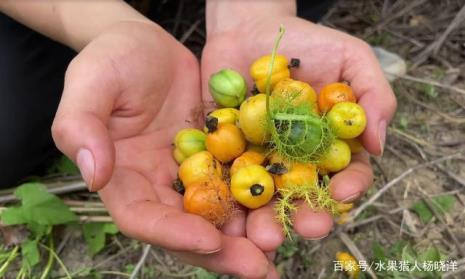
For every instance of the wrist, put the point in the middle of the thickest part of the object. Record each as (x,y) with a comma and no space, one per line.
(73,23)
(224,15)
(81,28)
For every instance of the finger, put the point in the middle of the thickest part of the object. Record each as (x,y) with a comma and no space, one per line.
(263,229)
(311,224)
(349,184)
(271,255)
(236,225)
(239,257)
(136,210)
(79,128)
(373,92)
(272,272)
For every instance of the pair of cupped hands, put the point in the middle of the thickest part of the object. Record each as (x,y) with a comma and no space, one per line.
(133,87)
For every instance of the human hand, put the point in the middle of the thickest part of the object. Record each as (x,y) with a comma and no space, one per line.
(247,32)
(126,95)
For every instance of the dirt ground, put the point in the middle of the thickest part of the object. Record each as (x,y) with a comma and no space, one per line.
(424,157)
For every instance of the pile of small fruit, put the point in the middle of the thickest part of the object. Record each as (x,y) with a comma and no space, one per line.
(282,142)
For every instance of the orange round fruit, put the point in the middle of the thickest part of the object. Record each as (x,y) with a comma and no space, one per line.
(334,93)
(225,141)
(210,199)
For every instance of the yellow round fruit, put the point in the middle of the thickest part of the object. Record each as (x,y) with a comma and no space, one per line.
(336,158)
(296,91)
(199,167)
(252,119)
(252,186)
(297,175)
(347,120)
(259,71)
(226,142)
(246,159)
(224,115)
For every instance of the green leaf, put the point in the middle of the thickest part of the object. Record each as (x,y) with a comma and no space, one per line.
(37,206)
(129,268)
(64,166)
(378,252)
(110,228)
(408,254)
(30,252)
(396,249)
(403,122)
(430,254)
(203,274)
(288,249)
(441,204)
(95,235)
(422,210)
(430,91)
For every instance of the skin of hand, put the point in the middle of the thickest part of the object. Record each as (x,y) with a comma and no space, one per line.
(126,95)
(326,56)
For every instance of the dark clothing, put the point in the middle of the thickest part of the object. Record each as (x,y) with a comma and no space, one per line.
(32,69)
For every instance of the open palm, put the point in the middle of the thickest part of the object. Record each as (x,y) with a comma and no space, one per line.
(126,95)
(326,56)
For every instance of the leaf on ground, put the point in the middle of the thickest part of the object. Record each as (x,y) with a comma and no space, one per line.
(30,252)
(288,249)
(441,204)
(95,235)
(408,254)
(378,252)
(431,254)
(37,206)
(397,247)
(430,91)
(203,274)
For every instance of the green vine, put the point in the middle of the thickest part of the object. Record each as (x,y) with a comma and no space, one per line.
(298,134)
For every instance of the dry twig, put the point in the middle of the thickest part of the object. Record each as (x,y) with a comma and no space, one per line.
(355,251)
(436,45)
(140,263)
(398,179)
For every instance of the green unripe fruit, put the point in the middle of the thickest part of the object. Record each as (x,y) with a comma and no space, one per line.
(188,142)
(228,88)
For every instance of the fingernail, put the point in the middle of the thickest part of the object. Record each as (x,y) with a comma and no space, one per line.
(317,238)
(382,135)
(86,164)
(207,252)
(351,198)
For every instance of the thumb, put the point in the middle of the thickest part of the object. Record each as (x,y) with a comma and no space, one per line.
(79,128)
(374,94)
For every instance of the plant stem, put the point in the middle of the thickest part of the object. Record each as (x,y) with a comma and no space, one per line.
(49,265)
(53,255)
(270,69)
(296,117)
(11,257)
(22,272)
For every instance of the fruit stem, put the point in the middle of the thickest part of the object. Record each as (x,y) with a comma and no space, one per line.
(296,117)
(270,69)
